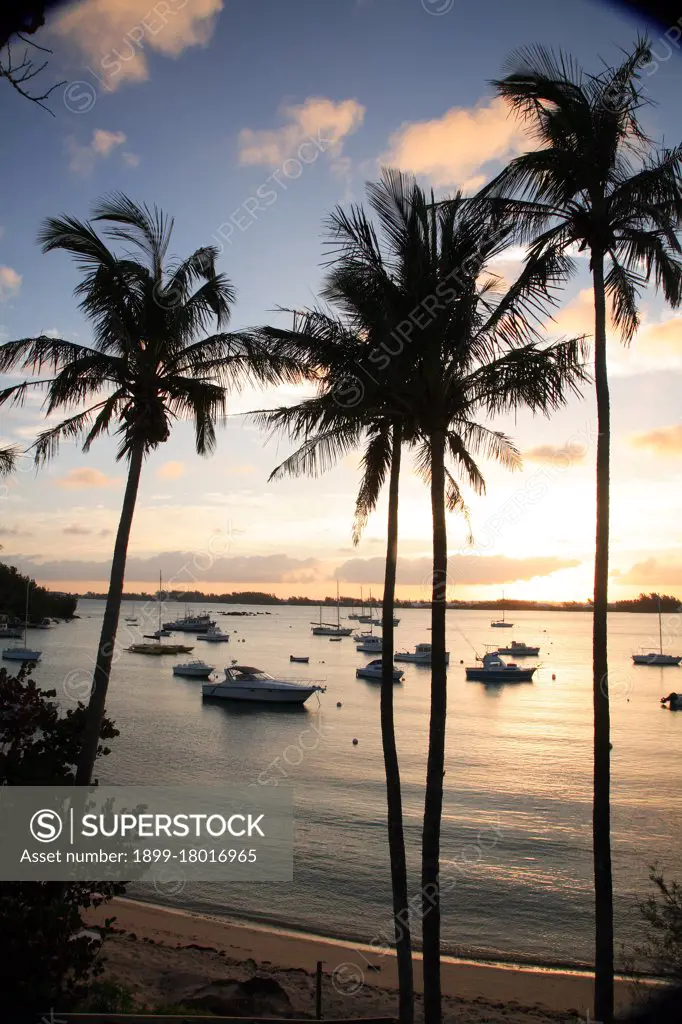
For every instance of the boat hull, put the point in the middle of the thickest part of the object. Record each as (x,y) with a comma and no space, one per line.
(482,675)
(330,631)
(528,652)
(20,654)
(256,695)
(656,659)
(376,677)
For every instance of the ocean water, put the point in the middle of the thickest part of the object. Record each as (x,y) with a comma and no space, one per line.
(516,843)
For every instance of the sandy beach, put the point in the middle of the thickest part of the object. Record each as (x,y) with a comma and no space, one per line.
(170,957)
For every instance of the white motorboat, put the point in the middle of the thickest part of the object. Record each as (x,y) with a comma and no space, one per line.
(246,683)
(493,670)
(328,628)
(374,671)
(502,623)
(673,701)
(23,654)
(420,656)
(194,670)
(191,624)
(214,635)
(370,644)
(519,649)
(657,657)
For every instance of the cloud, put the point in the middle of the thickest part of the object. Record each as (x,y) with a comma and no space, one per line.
(462,569)
(182,570)
(566,453)
(130,159)
(113,35)
(14,531)
(653,573)
(82,159)
(10,283)
(240,469)
(171,471)
(665,441)
(83,476)
(76,531)
(317,125)
(454,149)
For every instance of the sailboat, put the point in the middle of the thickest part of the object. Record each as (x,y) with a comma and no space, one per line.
(329,629)
(24,653)
(657,657)
(354,615)
(158,648)
(500,623)
(132,618)
(368,619)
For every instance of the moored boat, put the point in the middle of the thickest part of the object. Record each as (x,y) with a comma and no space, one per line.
(374,672)
(370,644)
(159,649)
(246,683)
(519,650)
(420,656)
(673,701)
(194,670)
(214,635)
(191,623)
(301,660)
(493,670)
(657,657)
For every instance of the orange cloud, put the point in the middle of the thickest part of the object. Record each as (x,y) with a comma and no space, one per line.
(113,34)
(548,453)
(317,122)
(82,159)
(171,471)
(453,149)
(83,476)
(665,441)
(10,283)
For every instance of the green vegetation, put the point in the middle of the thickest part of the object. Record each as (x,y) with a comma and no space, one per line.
(42,603)
(47,961)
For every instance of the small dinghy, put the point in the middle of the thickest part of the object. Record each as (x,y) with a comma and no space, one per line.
(302,661)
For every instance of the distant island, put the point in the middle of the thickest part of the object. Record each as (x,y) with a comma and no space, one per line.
(643,603)
(42,603)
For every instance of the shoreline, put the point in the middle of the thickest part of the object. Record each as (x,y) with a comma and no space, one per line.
(354,969)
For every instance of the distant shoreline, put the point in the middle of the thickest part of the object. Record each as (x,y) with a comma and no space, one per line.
(669,604)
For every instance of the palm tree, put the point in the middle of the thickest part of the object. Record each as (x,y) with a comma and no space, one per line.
(328,428)
(148,366)
(475,353)
(596,183)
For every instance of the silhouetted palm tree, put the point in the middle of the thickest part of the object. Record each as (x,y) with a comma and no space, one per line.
(470,354)
(353,409)
(596,182)
(148,365)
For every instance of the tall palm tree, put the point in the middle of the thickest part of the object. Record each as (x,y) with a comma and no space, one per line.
(596,183)
(329,428)
(474,353)
(149,364)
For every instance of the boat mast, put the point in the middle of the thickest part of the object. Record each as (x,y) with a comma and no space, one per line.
(26,615)
(660,628)
(338,608)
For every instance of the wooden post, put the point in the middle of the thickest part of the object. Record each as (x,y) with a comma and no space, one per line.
(318,991)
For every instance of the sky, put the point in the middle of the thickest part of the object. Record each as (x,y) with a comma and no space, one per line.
(249,123)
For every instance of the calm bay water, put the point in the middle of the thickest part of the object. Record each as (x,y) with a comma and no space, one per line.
(516,828)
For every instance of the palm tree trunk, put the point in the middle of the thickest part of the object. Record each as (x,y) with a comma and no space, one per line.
(601,810)
(433,804)
(107,638)
(396,837)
